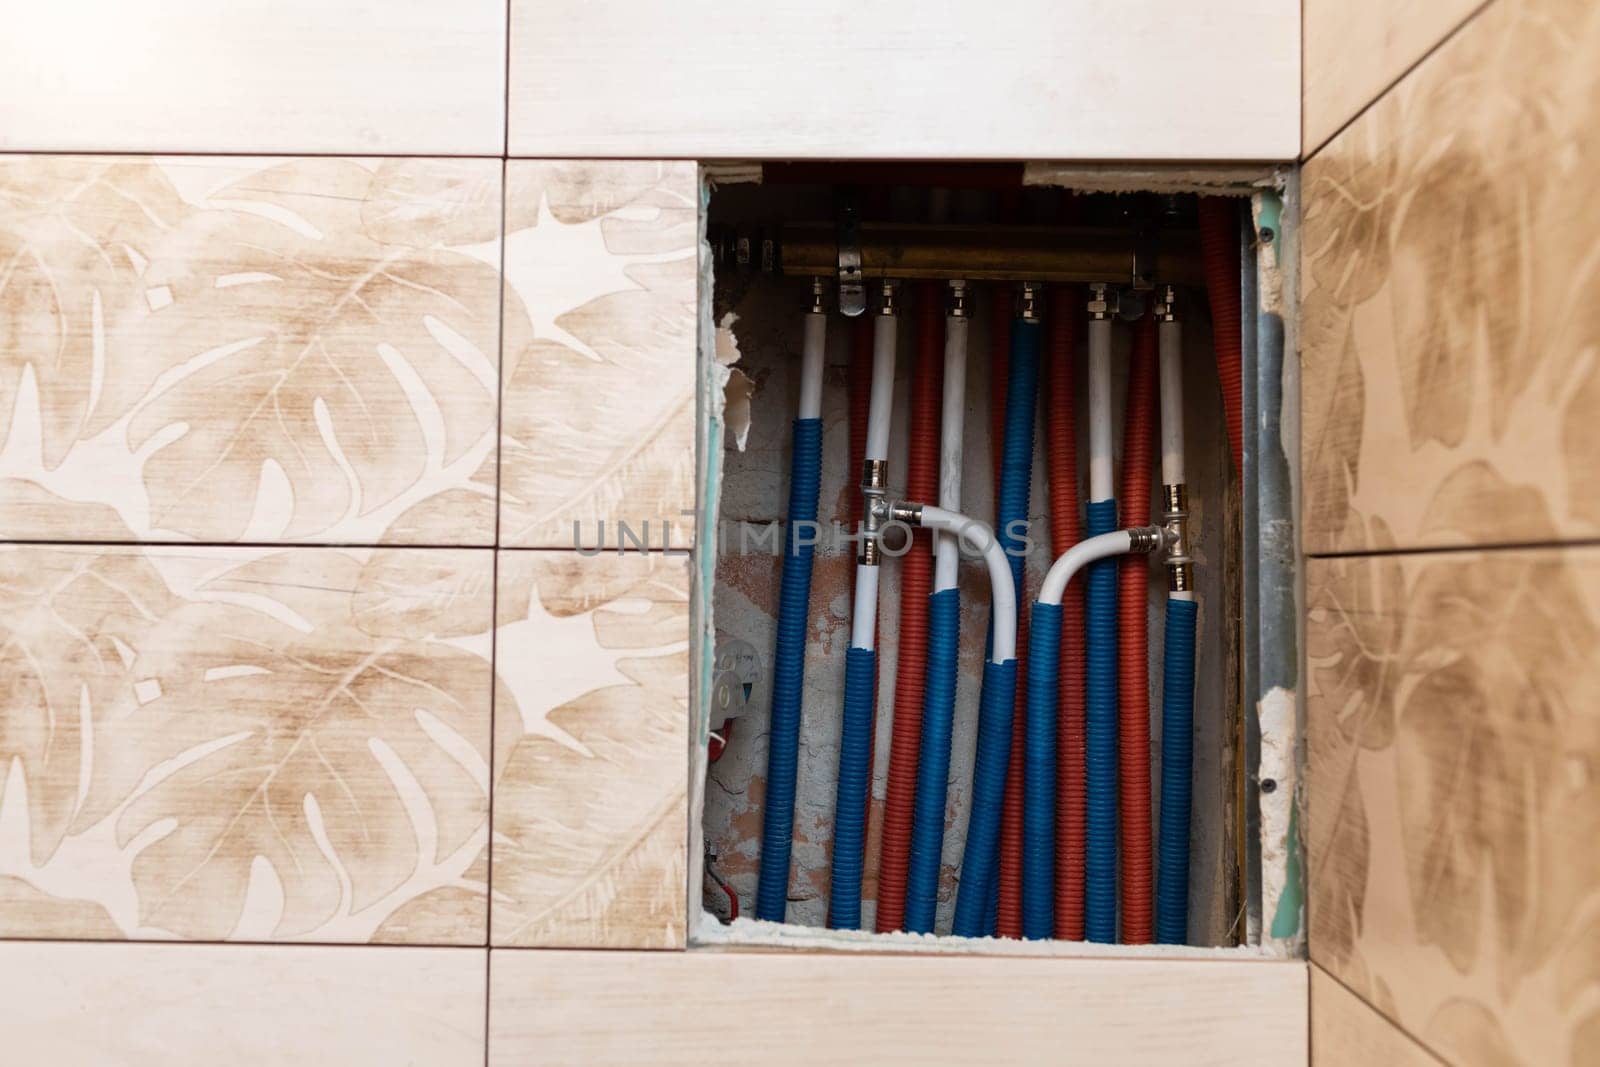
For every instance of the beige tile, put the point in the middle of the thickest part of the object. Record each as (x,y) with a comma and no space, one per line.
(405,76)
(1355,49)
(1346,1031)
(1450,245)
(898,79)
(600,326)
(222,349)
(81,1005)
(261,744)
(591,750)
(1453,776)
(624,1008)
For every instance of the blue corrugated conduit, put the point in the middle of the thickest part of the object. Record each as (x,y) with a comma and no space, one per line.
(995,708)
(855,779)
(1039,775)
(978,892)
(1100,624)
(933,766)
(788,667)
(944,637)
(860,683)
(1177,749)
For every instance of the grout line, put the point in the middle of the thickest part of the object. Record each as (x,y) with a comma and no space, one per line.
(494,614)
(1436,550)
(1307,156)
(505,114)
(178,942)
(141,153)
(1422,1046)
(376,545)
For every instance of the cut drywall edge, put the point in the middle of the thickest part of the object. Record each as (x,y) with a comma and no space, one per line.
(752,933)
(1219,179)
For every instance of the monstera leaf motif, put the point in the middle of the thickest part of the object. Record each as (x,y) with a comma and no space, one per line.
(75,237)
(284,731)
(346,361)
(590,813)
(74,619)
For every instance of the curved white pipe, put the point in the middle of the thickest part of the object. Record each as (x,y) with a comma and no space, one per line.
(1101,483)
(811,359)
(1080,555)
(1171,339)
(1004,593)
(947,550)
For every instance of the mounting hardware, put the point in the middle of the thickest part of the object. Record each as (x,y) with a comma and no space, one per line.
(852,288)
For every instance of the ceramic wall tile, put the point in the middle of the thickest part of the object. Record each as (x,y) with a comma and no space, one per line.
(81,1005)
(356,76)
(258,744)
(1453,770)
(1450,251)
(631,1009)
(600,328)
(591,750)
(219,349)
(1347,1031)
(905,79)
(1353,50)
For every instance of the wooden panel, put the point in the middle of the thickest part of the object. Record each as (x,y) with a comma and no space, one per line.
(1454,796)
(78,1005)
(1347,1031)
(1451,247)
(1353,50)
(591,750)
(248,350)
(599,341)
(358,76)
(902,79)
(244,743)
(599,1009)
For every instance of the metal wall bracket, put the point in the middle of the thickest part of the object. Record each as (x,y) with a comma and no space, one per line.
(852,285)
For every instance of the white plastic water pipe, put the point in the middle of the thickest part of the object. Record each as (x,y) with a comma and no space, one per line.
(811,360)
(1171,341)
(1080,555)
(880,408)
(946,547)
(980,538)
(1101,484)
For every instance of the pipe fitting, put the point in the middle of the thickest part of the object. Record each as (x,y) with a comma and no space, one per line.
(900,511)
(819,297)
(1175,522)
(1030,301)
(1166,309)
(1102,301)
(956,306)
(887,294)
(1146,539)
(874,484)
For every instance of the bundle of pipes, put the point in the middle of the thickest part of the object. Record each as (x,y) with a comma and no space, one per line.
(1065,749)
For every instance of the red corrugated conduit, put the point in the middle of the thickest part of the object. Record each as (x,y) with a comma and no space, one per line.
(1219,249)
(916,583)
(1061,458)
(1133,682)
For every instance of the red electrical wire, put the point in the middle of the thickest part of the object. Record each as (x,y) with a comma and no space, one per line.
(1061,459)
(916,583)
(1219,251)
(1133,682)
